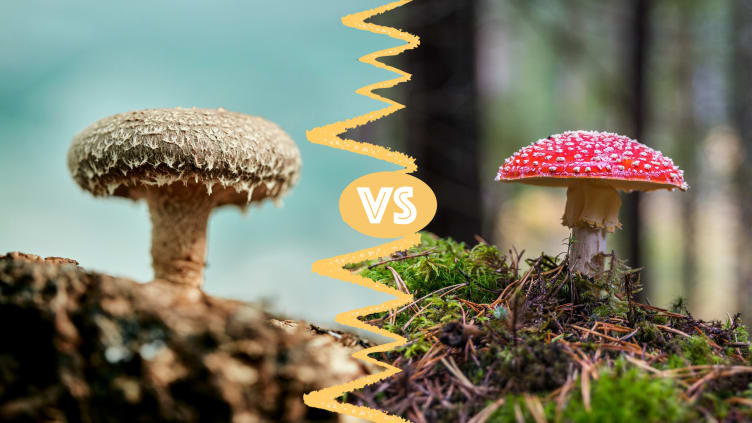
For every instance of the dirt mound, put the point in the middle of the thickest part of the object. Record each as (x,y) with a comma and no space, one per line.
(83,346)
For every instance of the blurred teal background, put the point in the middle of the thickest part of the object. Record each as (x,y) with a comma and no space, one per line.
(64,65)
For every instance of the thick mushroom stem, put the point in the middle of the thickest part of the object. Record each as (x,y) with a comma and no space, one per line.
(592,211)
(179,216)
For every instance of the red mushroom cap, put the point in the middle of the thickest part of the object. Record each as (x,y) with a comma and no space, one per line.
(603,156)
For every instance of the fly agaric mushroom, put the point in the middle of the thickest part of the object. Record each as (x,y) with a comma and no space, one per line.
(593,166)
(184,163)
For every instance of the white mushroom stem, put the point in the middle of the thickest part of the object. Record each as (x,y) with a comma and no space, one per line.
(587,249)
(592,211)
(179,216)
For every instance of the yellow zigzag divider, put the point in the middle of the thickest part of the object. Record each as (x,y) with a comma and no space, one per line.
(329,135)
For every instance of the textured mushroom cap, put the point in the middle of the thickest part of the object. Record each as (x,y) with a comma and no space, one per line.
(603,157)
(246,157)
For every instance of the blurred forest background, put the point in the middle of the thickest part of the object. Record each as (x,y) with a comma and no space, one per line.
(493,76)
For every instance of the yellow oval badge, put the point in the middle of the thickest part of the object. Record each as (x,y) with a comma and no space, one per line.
(387,204)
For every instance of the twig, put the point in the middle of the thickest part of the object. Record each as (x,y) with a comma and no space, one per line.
(424,253)
(626,337)
(660,310)
(485,413)
(536,408)
(585,388)
(672,330)
(448,289)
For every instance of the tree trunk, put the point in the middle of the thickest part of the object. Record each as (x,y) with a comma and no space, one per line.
(638,44)
(742,100)
(687,133)
(442,112)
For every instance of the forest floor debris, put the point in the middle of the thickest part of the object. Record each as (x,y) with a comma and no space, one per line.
(494,337)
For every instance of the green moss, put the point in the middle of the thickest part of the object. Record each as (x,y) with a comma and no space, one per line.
(675,361)
(445,263)
(660,319)
(514,405)
(620,394)
(649,333)
(697,351)
(481,270)
(627,394)
(603,312)
(741,335)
